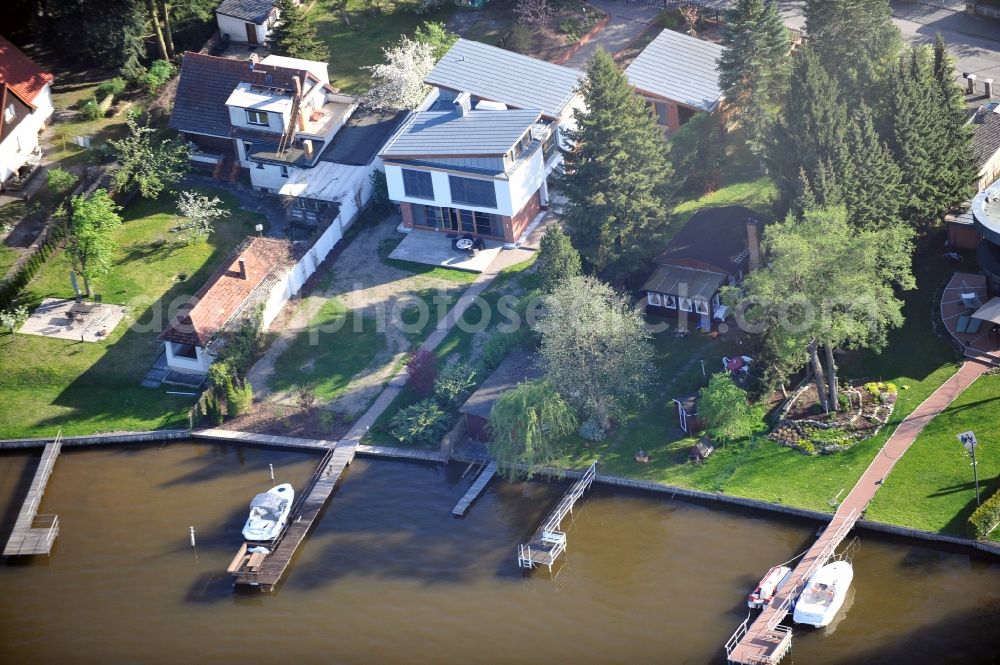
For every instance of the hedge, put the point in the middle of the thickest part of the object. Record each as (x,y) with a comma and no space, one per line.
(985,518)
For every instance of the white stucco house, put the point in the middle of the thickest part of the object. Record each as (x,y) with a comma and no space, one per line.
(25,107)
(474,159)
(246,21)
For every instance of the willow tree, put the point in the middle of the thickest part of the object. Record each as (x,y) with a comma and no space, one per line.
(827,285)
(526,425)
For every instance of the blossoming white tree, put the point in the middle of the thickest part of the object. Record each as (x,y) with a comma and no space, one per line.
(398,83)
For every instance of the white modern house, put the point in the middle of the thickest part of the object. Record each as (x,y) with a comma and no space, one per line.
(25,107)
(474,159)
(246,21)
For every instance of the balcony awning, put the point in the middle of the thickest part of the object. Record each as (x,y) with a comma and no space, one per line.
(989,312)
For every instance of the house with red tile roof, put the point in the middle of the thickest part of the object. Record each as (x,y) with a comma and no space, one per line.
(25,106)
(255,279)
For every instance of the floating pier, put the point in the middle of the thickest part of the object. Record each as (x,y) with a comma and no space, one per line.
(266,570)
(549,542)
(34,533)
(765,641)
(475,490)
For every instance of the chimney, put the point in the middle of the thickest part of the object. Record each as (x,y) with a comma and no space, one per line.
(307,146)
(753,244)
(243,268)
(971,78)
(988,88)
(463,103)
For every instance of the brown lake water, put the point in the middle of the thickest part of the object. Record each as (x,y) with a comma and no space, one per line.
(389,576)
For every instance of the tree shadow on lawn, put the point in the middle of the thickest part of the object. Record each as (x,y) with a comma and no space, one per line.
(108,393)
(958,525)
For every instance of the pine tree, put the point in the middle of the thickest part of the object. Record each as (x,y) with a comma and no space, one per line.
(811,130)
(294,36)
(957,162)
(871,181)
(857,43)
(615,176)
(754,65)
(917,139)
(557,259)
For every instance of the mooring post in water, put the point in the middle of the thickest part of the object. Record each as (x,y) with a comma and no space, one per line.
(271,466)
(192,535)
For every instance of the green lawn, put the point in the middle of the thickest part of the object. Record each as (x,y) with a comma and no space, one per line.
(932,486)
(360,44)
(65,153)
(337,346)
(91,387)
(915,358)
(8,256)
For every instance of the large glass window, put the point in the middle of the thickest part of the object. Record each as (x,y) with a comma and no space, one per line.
(428,216)
(549,146)
(487,224)
(418,184)
(473,192)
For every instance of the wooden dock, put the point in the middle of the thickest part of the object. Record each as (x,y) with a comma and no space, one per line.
(475,490)
(549,542)
(765,641)
(34,533)
(266,570)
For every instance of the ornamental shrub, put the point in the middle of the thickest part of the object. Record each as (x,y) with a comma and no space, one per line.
(91,110)
(239,398)
(115,87)
(454,383)
(985,518)
(159,73)
(421,423)
(422,372)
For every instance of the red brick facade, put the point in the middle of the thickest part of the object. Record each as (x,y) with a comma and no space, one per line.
(514,227)
(406,210)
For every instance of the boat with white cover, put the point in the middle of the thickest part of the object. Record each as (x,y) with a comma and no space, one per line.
(268,513)
(824,594)
(770,583)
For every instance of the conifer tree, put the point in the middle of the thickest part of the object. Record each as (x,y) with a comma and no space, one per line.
(871,181)
(294,36)
(917,139)
(754,65)
(957,162)
(615,177)
(856,42)
(811,130)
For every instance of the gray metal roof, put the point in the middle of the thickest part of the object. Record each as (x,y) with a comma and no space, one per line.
(678,67)
(685,282)
(255,11)
(477,133)
(503,76)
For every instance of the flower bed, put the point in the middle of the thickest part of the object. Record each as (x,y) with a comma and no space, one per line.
(865,408)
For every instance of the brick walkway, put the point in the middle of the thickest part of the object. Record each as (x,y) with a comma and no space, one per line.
(764,642)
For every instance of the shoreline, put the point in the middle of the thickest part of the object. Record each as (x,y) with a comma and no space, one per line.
(434,457)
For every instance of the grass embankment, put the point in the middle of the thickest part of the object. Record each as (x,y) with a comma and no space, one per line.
(94,387)
(915,357)
(932,486)
(336,347)
(459,344)
(360,44)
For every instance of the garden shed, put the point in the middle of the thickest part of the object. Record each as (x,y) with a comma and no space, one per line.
(518,366)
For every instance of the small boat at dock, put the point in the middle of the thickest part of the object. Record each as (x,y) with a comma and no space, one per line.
(268,513)
(769,584)
(824,594)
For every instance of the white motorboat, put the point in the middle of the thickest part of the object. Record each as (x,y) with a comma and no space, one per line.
(824,594)
(770,583)
(268,513)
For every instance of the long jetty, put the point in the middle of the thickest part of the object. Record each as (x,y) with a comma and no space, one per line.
(34,533)
(477,488)
(549,542)
(265,570)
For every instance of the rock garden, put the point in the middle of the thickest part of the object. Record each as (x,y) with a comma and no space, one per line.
(864,407)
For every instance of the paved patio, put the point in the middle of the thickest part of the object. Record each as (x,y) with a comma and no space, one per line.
(68,319)
(434,248)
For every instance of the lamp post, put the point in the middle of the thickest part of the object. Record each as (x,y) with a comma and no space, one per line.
(968,440)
